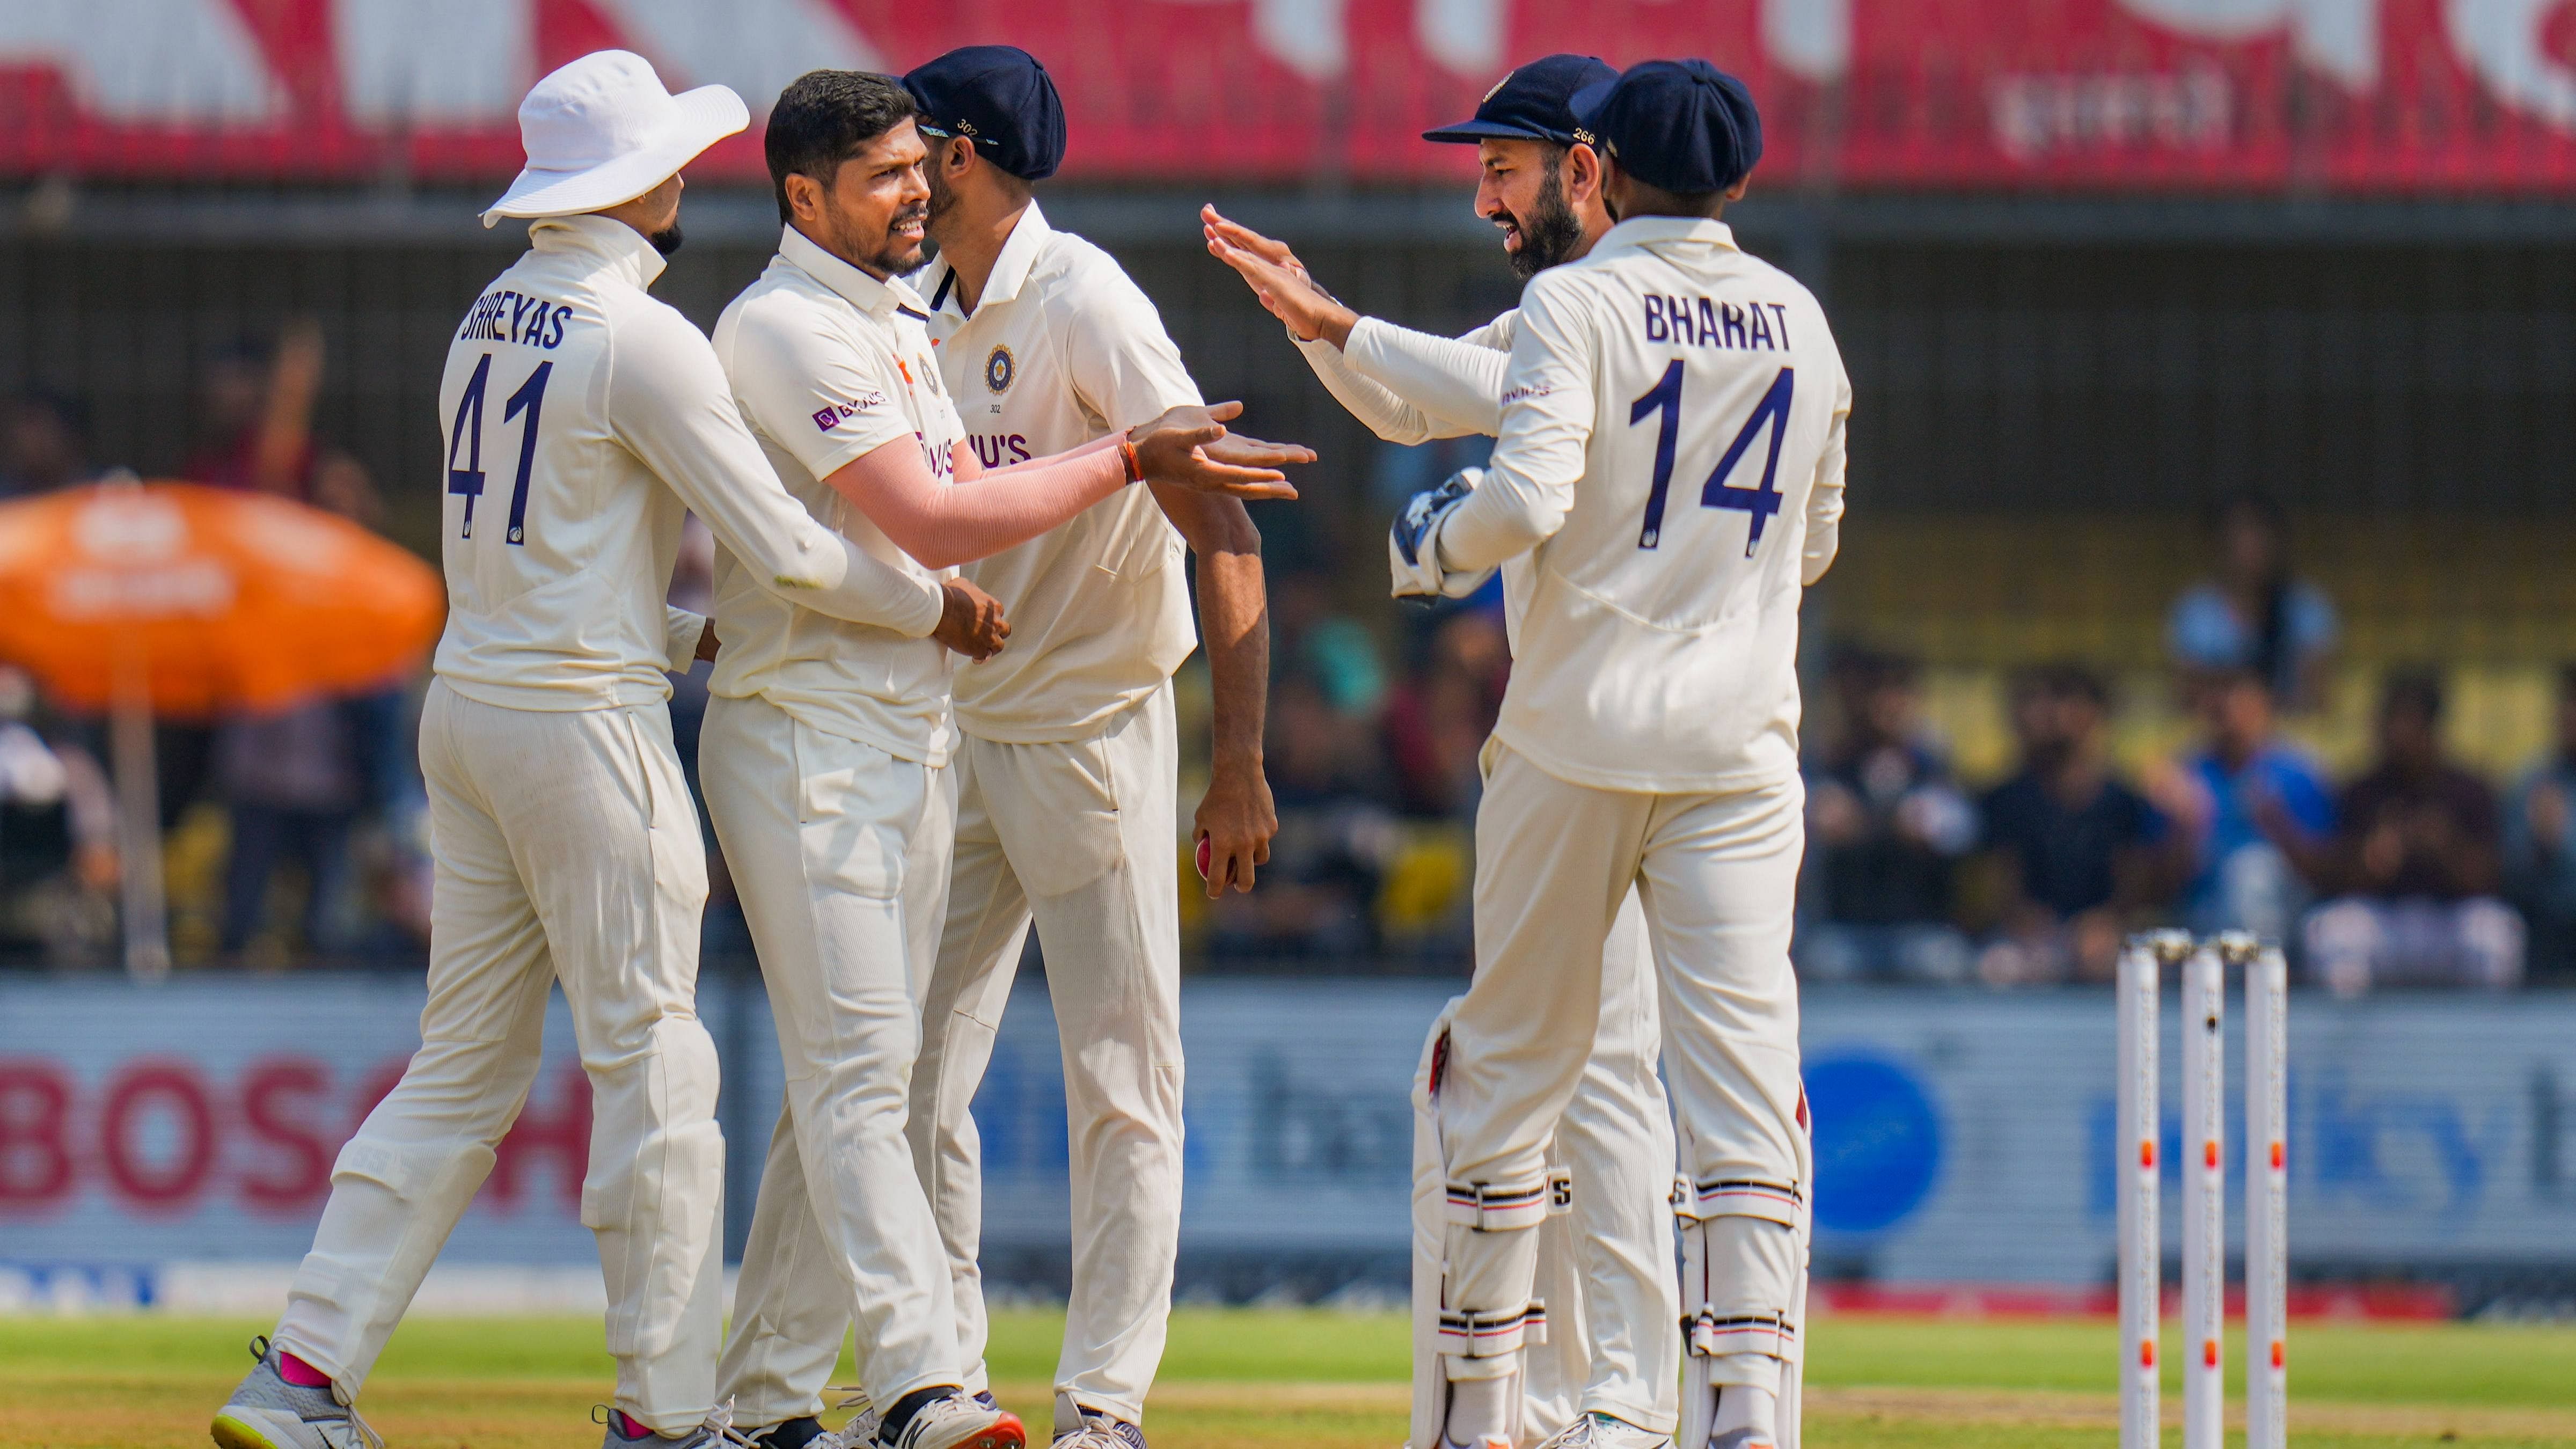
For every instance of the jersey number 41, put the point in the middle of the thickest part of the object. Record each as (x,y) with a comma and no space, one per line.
(466,438)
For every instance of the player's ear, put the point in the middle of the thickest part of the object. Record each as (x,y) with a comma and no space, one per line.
(959,160)
(804,196)
(1736,192)
(1582,173)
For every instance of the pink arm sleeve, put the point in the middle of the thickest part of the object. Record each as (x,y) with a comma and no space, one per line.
(984,513)
(971,469)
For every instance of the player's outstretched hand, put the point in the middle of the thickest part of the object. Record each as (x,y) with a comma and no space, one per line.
(970,621)
(1235,234)
(1190,447)
(1278,279)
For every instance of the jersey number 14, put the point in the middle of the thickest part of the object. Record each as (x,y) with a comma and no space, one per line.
(467,438)
(1665,397)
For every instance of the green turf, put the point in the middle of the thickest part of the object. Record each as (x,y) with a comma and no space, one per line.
(1247,1379)
(2358,1363)
(2492,1365)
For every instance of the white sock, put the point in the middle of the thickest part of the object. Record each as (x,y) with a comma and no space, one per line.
(1479,1409)
(1744,1406)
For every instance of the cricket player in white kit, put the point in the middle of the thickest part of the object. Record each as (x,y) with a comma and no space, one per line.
(826,750)
(1067,771)
(1606,1374)
(1671,462)
(580,419)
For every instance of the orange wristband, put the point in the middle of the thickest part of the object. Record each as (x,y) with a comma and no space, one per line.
(1127,453)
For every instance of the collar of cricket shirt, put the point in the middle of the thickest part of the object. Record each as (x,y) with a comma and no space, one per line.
(621,248)
(855,286)
(1010,268)
(1645,231)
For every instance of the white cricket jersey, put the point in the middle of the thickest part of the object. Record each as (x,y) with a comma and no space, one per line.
(1411,387)
(581,421)
(1672,409)
(1062,348)
(830,364)
(1425,386)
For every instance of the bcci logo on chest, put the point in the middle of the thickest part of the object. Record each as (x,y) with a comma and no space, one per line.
(999,369)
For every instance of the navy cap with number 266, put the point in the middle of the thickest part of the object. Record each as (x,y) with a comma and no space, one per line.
(1683,125)
(1533,103)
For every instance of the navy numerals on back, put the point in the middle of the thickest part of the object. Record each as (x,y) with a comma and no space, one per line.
(1663,402)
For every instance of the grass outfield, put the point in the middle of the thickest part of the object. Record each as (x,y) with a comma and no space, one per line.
(1324,1380)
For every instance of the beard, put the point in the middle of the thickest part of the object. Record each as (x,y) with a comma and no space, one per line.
(898,254)
(667,240)
(943,200)
(1550,232)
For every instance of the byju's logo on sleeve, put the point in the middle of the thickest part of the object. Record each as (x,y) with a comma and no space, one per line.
(833,415)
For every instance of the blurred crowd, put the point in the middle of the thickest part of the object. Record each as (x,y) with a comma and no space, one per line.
(2413,871)
(294,836)
(301,836)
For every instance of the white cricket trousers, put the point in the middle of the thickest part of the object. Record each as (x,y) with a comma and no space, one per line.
(567,850)
(1605,1258)
(1717,876)
(1078,836)
(840,851)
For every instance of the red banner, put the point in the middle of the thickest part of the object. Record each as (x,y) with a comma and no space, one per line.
(2237,95)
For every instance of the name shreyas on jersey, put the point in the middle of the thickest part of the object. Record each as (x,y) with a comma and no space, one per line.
(832,415)
(1706,322)
(508,316)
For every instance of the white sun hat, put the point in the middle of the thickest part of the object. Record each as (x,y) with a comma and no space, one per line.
(602,130)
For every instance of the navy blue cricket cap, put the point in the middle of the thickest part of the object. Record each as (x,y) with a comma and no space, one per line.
(998,97)
(1683,125)
(1531,103)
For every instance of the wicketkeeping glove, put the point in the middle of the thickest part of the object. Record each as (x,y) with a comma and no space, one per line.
(1413,544)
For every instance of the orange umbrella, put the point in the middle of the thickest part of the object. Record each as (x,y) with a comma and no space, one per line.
(137,597)
(205,598)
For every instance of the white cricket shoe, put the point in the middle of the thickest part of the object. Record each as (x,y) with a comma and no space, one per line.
(959,1422)
(267,1412)
(1601,1431)
(1098,1431)
(863,1425)
(862,1428)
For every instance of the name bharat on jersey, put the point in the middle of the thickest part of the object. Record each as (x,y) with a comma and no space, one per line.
(1711,322)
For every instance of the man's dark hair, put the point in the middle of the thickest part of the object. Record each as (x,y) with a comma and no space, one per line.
(2069,680)
(2415,690)
(823,118)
